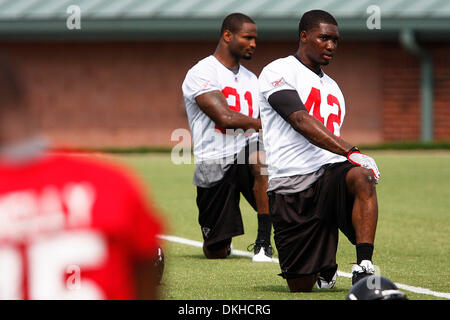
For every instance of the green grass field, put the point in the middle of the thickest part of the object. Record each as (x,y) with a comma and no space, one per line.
(412,244)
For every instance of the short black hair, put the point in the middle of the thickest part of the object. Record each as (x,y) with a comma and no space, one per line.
(312,19)
(234,22)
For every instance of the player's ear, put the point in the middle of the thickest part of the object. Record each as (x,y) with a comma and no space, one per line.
(303,36)
(227,35)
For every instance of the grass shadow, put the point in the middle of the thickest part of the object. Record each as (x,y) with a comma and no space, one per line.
(285,289)
(202,257)
(273,288)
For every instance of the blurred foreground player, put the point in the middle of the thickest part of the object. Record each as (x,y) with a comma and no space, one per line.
(221,98)
(70,227)
(318,183)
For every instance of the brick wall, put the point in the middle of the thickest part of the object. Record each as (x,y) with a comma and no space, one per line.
(401,93)
(89,94)
(108,94)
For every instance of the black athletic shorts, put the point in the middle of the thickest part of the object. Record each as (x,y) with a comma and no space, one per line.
(219,213)
(306,223)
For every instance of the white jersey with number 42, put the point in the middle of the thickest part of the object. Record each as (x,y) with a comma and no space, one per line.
(241,92)
(288,152)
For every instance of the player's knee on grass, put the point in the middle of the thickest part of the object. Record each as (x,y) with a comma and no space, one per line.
(218,250)
(302,283)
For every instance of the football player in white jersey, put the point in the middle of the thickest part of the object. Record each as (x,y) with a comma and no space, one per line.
(318,183)
(221,98)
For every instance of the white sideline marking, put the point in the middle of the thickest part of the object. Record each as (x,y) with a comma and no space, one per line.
(340,273)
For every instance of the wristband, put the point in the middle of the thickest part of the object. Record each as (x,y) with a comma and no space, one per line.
(353,149)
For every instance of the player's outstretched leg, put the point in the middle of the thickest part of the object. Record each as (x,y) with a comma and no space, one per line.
(361,184)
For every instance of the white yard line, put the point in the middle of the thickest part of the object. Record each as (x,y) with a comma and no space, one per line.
(340,273)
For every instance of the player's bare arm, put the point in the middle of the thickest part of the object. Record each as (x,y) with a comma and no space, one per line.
(316,133)
(289,106)
(215,106)
(313,130)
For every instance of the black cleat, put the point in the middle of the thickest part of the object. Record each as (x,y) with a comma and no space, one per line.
(263,251)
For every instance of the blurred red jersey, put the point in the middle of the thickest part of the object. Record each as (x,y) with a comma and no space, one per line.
(72,228)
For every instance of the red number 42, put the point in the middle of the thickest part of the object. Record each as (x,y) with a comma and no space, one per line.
(314,101)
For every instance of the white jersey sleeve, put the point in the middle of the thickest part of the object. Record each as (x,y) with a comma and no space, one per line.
(200,79)
(273,79)
(288,152)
